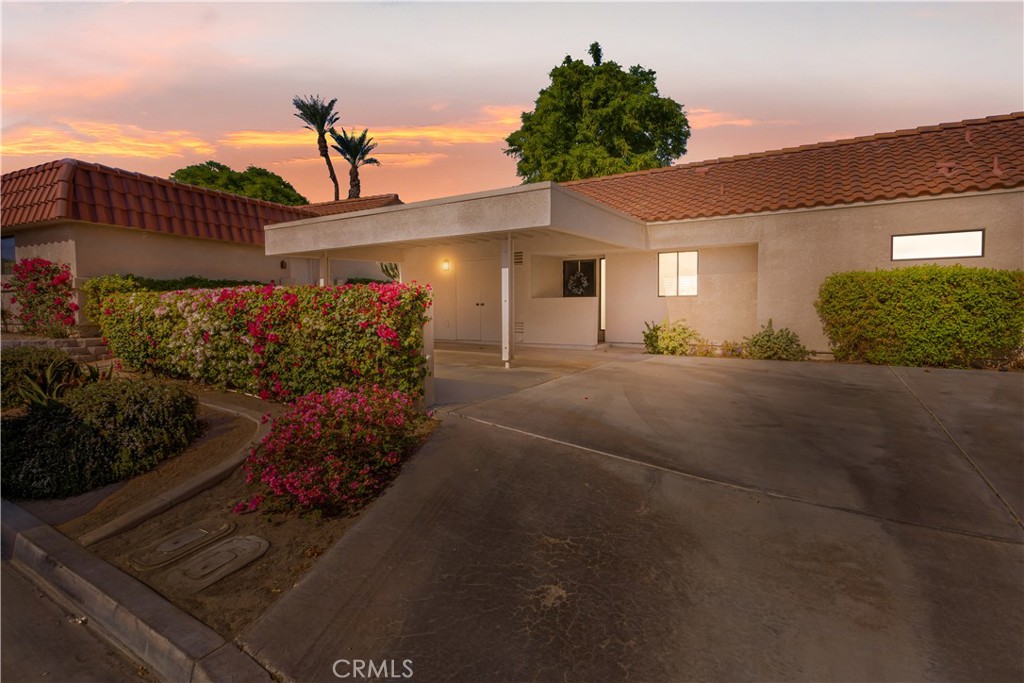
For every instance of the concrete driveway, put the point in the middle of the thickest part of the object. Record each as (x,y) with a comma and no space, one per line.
(667,519)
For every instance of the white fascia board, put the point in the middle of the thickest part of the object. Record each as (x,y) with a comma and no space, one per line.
(511,209)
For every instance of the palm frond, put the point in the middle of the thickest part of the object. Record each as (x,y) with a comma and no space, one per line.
(355,148)
(318,115)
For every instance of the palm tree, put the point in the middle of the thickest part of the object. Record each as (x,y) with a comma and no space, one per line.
(354,150)
(319,117)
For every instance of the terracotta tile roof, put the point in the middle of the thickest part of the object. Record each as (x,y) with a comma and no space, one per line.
(348,205)
(82,191)
(978,154)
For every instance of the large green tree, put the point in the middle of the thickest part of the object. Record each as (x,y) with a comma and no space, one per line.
(319,117)
(355,149)
(255,182)
(597,119)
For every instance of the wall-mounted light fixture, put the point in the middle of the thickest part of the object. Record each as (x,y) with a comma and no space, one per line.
(284,265)
(446,265)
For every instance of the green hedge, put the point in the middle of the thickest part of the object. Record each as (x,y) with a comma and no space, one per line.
(95,435)
(100,287)
(276,342)
(947,316)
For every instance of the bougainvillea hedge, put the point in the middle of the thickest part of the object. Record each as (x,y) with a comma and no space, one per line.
(275,342)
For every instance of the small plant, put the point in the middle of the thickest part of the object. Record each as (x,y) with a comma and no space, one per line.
(731,349)
(57,379)
(771,344)
(334,451)
(672,338)
(24,364)
(44,292)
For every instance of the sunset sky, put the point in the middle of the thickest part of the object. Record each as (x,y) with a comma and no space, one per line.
(153,87)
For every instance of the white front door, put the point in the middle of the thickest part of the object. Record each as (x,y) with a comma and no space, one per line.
(478,300)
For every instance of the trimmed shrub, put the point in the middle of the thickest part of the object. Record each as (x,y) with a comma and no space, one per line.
(333,452)
(100,287)
(95,435)
(672,338)
(24,363)
(44,293)
(97,289)
(772,344)
(275,342)
(947,316)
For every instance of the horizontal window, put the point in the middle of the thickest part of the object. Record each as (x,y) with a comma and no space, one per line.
(677,273)
(964,244)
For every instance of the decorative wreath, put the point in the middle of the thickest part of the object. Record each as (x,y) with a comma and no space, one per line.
(578,283)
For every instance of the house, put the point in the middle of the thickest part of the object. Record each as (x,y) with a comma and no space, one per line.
(102,220)
(727,244)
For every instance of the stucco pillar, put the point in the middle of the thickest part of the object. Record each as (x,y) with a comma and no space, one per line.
(325,270)
(507,302)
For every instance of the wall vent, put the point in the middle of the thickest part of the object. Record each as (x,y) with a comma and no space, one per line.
(519,328)
(517,258)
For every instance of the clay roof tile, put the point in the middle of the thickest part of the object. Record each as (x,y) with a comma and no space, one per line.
(930,160)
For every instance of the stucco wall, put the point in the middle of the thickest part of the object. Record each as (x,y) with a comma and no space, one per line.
(725,307)
(797,250)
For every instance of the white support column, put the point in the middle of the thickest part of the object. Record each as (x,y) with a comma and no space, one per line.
(325,270)
(508,307)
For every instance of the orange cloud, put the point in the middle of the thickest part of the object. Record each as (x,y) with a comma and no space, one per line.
(708,118)
(389,159)
(493,125)
(92,138)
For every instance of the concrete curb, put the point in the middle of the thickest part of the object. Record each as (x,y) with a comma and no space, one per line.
(174,645)
(200,482)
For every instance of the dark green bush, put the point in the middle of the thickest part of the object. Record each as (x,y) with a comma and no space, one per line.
(772,344)
(26,363)
(95,435)
(365,281)
(947,316)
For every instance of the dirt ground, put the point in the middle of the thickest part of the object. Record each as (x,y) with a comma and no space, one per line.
(232,603)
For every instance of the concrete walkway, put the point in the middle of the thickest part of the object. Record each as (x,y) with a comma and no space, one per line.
(614,516)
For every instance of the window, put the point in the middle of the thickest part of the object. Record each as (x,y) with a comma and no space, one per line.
(579,278)
(933,245)
(7,248)
(677,273)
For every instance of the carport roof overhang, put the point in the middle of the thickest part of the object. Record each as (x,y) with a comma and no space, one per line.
(524,211)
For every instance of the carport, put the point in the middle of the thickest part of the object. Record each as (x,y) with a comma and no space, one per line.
(491,224)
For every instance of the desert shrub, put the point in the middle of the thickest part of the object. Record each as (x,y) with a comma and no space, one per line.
(96,434)
(671,338)
(275,342)
(731,349)
(332,452)
(24,363)
(949,316)
(704,348)
(44,292)
(772,344)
